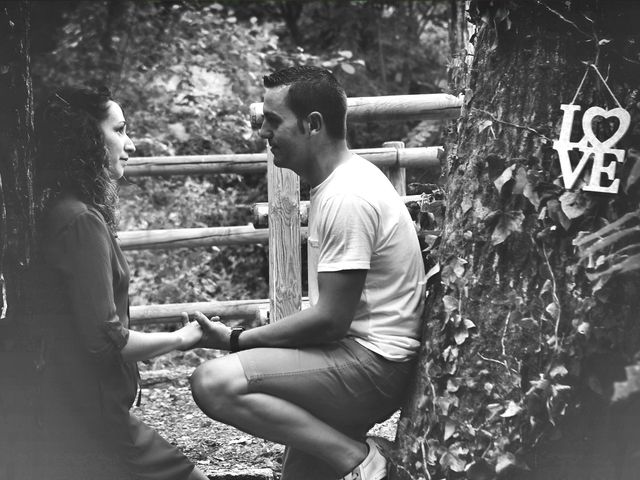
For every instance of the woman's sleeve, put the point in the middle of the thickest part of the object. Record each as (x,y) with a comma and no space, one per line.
(84,252)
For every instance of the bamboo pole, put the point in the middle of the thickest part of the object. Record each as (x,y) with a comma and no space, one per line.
(433,106)
(418,157)
(397,175)
(260,211)
(195,237)
(251,310)
(247,310)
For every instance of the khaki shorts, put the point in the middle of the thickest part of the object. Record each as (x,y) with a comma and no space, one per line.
(343,384)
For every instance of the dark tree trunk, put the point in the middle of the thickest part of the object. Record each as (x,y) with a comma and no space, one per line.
(16,172)
(521,350)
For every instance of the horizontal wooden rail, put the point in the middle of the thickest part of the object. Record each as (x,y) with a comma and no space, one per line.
(261,210)
(195,237)
(434,106)
(248,310)
(418,157)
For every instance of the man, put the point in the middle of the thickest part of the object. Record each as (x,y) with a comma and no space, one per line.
(318,380)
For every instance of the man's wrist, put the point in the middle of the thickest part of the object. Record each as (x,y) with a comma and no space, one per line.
(234,339)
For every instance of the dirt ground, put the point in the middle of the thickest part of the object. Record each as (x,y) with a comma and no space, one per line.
(167,406)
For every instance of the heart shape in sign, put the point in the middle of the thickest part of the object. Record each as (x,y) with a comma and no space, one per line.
(624,119)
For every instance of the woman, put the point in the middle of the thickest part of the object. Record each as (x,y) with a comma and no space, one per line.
(79,310)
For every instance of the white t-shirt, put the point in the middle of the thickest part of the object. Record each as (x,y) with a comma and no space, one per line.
(358,221)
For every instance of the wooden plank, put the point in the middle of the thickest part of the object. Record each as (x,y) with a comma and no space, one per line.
(396,174)
(417,157)
(285,284)
(433,106)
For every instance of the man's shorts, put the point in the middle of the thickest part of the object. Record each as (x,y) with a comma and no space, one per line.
(343,384)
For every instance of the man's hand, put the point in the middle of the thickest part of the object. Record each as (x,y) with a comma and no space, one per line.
(215,334)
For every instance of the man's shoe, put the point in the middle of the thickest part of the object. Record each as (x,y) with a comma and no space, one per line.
(373,467)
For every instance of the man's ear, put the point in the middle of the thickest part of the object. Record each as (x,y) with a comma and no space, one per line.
(316,122)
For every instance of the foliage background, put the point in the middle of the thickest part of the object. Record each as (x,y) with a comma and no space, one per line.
(186,73)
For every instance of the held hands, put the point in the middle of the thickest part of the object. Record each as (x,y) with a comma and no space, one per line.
(215,334)
(190,334)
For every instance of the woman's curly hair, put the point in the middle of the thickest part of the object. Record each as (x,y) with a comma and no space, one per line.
(72,156)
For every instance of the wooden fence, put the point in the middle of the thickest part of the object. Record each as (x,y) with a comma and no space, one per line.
(284,209)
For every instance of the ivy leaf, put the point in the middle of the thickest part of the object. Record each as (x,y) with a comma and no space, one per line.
(449,429)
(529,191)
(506,460)
(556,214)
(461,335)
(572,204)
(466,204)
(479,470)
(633,158)
(504,177)
(624,390)
(450,303)
(552,309)
(495,165)
(512,410)
(457,264)
(452,462)
(520,181)
(348,68)
(444,403)
(483,125)
(558,371)
(508,223)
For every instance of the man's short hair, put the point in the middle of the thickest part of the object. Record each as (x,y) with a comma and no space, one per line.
(313,89)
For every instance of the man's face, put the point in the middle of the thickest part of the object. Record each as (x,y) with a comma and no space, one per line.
(281,128)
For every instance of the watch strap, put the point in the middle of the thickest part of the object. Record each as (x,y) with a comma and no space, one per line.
(234,345)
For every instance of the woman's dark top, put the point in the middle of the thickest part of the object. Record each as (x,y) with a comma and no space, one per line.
(80,311)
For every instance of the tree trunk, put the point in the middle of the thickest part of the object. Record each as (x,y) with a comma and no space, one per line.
(16,172)
(521,350)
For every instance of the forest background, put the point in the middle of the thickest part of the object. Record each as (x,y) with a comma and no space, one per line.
(532,381)
(186,73)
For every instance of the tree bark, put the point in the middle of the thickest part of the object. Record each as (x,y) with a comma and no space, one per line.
(521,351)
(16,171)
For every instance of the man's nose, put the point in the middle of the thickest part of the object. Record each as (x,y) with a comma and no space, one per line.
(264,132)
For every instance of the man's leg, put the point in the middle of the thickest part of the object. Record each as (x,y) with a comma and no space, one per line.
(344,386)
(220,389)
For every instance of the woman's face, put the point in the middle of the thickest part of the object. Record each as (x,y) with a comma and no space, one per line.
(118,143)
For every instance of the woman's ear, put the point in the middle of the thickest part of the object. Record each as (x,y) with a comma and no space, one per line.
(316,122)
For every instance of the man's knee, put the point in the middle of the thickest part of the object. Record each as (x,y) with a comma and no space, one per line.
(217,383)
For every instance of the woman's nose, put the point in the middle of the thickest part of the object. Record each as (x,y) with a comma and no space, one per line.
(129,146)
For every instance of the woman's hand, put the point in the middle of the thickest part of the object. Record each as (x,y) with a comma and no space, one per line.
(215,334)
(190,333)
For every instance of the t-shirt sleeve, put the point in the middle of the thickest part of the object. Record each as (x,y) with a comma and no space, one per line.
(83,255)
(346,233)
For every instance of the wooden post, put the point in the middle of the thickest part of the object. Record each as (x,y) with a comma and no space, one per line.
(396,174)
(285,285)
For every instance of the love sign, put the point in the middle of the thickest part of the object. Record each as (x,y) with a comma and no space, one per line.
(591,148)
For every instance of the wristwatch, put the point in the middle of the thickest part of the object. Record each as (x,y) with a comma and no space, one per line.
(234,346)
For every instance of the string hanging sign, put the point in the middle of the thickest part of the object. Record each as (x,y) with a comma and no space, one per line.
(590,146)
